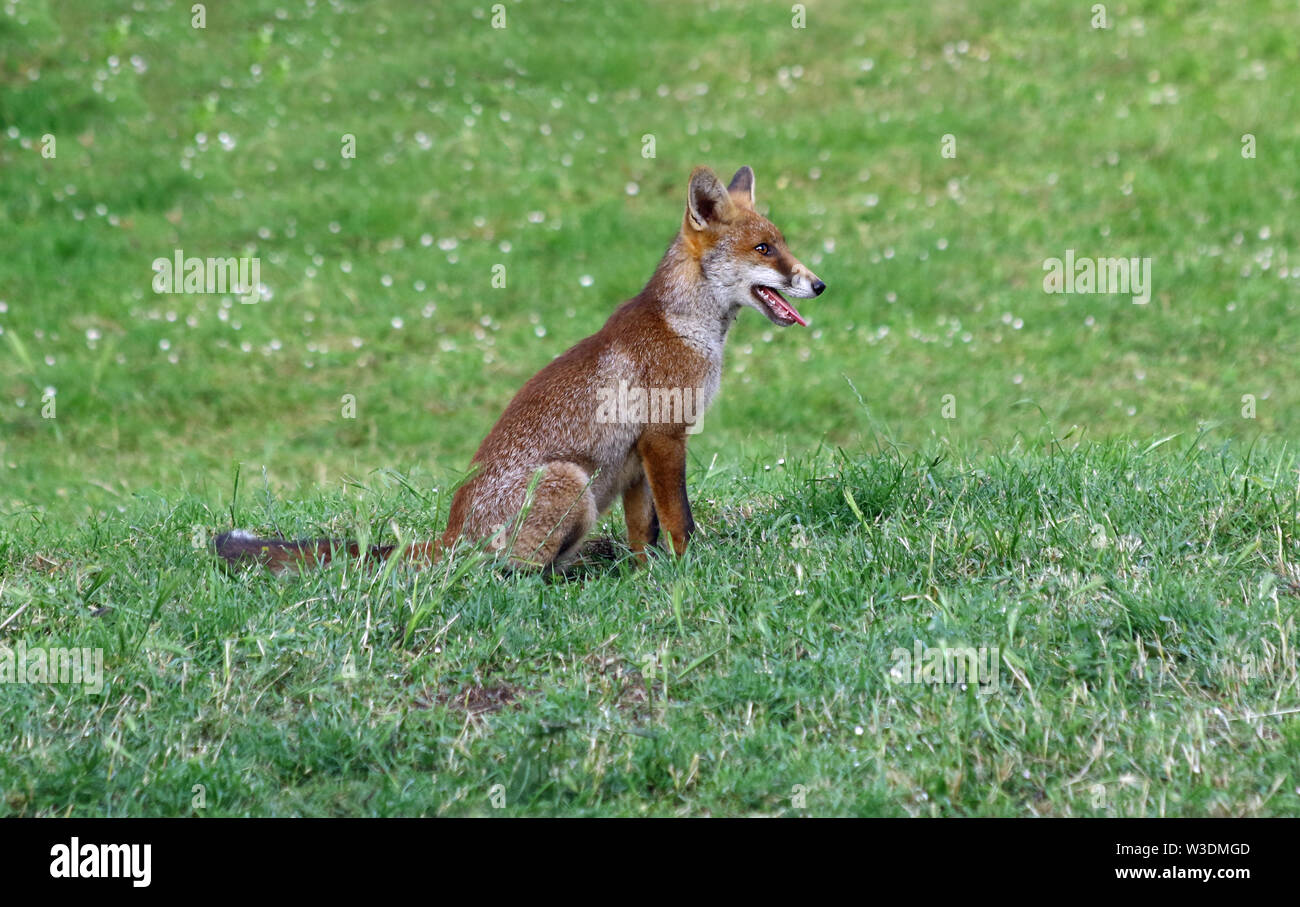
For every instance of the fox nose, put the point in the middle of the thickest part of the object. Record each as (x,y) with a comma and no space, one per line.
(818,287)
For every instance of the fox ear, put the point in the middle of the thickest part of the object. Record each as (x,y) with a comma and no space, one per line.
(742,186)
(706,201)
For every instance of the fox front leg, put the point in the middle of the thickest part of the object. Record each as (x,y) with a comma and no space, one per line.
(642,519)
(664,459)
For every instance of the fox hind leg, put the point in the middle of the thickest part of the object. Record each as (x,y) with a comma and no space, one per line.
(563,511)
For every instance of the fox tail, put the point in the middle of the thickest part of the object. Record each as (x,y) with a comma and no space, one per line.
(282,555)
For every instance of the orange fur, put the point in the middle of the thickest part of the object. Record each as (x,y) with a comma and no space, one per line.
(550,466)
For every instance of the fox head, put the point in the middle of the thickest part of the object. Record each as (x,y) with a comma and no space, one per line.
(742,256)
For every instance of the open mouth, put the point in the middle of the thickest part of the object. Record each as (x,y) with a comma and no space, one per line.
(777,309)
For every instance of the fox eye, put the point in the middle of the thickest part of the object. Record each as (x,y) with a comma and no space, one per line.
(762,248)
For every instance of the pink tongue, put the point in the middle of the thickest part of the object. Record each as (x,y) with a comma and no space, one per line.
(782,307)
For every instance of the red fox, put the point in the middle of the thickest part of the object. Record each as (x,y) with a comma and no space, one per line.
(611,416)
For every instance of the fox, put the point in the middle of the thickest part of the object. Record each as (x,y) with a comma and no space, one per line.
(562,452)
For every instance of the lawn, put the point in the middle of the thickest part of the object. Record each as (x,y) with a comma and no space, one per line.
(1101,495)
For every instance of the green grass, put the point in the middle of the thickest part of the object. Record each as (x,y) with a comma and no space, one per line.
(1133,596)
(1143,602)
